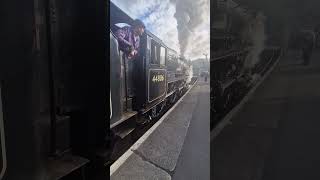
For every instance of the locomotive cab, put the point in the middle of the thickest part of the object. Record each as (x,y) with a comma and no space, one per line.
(142,85)
(139,84)
(136,85)
(155,72)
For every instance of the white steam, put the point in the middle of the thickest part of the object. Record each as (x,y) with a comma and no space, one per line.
(189,15)
(255,34)
(190,73)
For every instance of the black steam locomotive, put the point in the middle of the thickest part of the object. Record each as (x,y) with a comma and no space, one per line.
(144,86)
(230,78)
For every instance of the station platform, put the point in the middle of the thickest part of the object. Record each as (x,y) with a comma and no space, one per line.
(166,149)
(276,133)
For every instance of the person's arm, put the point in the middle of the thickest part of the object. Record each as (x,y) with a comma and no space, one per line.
(121,34)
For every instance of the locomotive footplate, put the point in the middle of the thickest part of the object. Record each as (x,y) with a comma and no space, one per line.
(126,115)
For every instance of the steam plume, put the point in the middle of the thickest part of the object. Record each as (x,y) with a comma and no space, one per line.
(190,73)
(189,15)
(255,34)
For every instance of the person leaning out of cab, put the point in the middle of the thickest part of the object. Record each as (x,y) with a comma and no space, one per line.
(129,38)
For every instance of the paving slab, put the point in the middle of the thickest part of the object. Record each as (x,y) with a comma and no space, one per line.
(164,145)
(136,168)
(194,159)
(156,157)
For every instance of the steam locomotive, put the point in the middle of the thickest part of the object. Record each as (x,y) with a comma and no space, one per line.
(231,78)
(144,86)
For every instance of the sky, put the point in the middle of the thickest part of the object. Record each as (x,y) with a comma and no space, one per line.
(159,17)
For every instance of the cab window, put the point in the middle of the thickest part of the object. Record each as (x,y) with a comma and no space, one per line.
(162,56)
(148,47)
(155,56)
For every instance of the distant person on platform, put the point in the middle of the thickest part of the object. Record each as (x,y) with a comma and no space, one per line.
(129,38)
(308,43)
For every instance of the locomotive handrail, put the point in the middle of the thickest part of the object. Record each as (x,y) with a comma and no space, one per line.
(125,80)
(110,88)
(110,105)
(2,140)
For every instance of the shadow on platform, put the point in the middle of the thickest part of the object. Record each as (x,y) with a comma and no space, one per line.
(276,134)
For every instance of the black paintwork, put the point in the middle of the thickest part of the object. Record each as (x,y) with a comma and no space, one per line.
(146,93)
(156,84)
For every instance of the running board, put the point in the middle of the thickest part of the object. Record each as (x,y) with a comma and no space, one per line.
(123,132)
(126,115)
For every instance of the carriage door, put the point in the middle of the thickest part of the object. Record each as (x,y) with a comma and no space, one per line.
(157,72)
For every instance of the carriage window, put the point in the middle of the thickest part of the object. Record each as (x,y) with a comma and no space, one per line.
(162,56)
